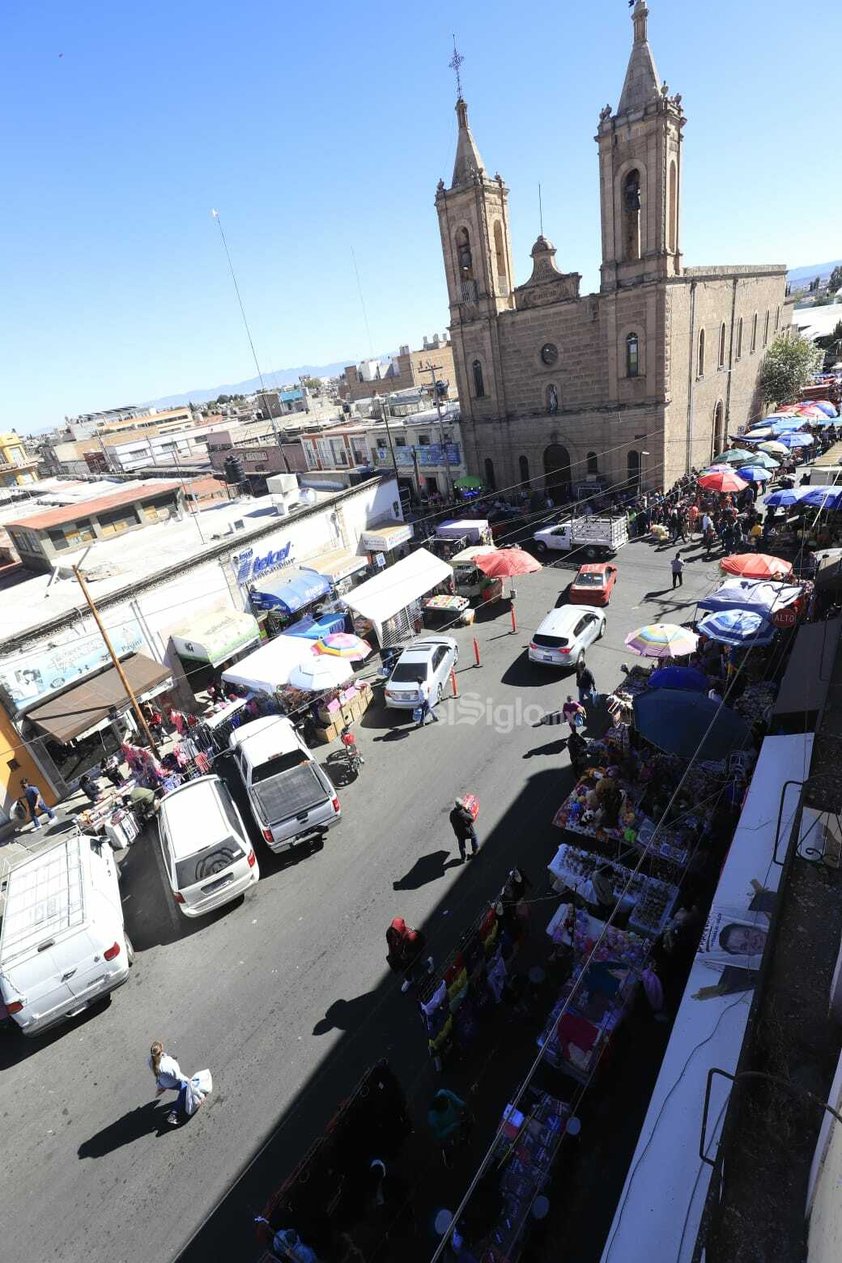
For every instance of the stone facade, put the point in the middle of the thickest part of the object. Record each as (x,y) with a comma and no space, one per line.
(557,387)
(407,369)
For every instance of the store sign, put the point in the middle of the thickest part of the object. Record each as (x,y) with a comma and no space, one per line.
(32,676)
(387,537)
(249,565)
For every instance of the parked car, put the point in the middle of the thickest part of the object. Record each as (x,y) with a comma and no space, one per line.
(596,536)
(593,584)
(423,669)
(560,640)
(207,854)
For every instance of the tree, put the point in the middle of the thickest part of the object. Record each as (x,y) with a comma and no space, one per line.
(835,281)
(787,367)
(313,384)
(831,343)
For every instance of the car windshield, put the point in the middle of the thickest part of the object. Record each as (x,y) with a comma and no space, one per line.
(207,864)
(549,642)
(409,672)
(590,580)
(278,763)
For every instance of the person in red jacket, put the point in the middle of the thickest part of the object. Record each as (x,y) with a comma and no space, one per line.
(405,947)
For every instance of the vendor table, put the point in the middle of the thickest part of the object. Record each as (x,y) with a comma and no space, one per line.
(649,901)
(571,815)
(448,609)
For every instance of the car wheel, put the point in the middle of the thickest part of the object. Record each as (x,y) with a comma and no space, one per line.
(591,553)
(129,951)
(580,658)
(540,547)
(601,630)
(439,693)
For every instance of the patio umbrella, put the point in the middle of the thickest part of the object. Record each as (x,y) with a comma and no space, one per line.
(809,410)
(688,724)
(723,480)
(825,406)
(773,445)
(785,498)
(757,566)
(468,483)
(754,473)
(321,672)
(733,456)
(737,627)
(686,678)
(505,563)
(822,497)
(754,436)
(717,469)
(788,423)
(764,459)
(662,640)
(344,645)
(794,439)
(760,596)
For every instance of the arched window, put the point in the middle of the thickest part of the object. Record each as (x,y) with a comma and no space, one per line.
(500,257)
(740,338)
(631,216)
(479,384)
(721,356)
(672,221)
(754,333)
(766,330)
(593,463)
(718,428)
(464,257)
(700,365)
(632,355)
(523,464)
(777,319)
(490,480)
(633,469)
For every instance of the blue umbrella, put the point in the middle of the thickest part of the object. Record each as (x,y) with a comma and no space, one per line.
(737,627)
(785,498)
(761,596)
(827,408)
(796,440)
(754,473)
(788,423)
(685,678)
(678,722)
(823,497)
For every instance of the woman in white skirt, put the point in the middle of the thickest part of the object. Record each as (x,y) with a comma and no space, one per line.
(169,1078)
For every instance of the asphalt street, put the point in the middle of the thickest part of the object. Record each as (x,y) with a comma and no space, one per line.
(286,996)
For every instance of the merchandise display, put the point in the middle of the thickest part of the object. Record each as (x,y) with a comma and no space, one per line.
(574,1041)
(600,807)
(647,903)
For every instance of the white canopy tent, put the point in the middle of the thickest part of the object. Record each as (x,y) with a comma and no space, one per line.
(269,666)
(388,594)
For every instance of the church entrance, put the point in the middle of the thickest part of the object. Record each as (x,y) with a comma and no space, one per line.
(557,472)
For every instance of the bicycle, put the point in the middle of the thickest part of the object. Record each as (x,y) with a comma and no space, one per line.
(353,759)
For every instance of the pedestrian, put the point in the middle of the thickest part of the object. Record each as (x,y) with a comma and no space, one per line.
(405,946)
(577,749)
(89,788)
(574,713)
(169,1078)
(654,991)
(586,682)
(35,803)
(462,823)
(677,568)
(448,1116)
(710,540)
(603,889)
(426,709)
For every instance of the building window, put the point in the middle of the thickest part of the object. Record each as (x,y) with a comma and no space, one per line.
(463,255)
(740,338)
(500,257)
(524,469)
(632,355)
(754,333)
(633,469)
(593,463)
(672,229)
(479,384)
(777,319)
(700,366)
(400,440)
(490,480)
(423,440)
(549,354)
(721,356)
(631,216)
(766,330)
(718,428)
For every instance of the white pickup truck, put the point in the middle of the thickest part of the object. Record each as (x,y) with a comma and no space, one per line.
(289,795)
(596,536)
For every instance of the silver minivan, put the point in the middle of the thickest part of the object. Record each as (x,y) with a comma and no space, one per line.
(207,855)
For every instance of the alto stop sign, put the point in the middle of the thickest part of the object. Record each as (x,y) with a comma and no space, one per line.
(785,618)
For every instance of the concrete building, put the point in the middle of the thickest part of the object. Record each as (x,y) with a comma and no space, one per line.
(281,403)
(406,369)
(262,456)
(17,466)
(638,382)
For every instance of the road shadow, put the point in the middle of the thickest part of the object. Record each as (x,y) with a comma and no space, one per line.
(139,1122)
(563,596)
(16,1047)
(550,747)
(339,770)
(650,596)
(345,1015)
(426,868)
(525,674)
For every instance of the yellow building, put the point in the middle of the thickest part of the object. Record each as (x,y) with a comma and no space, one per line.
(16,465)
(17,762)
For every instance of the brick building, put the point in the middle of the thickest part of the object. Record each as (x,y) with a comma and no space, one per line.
(638,382)
(405,370)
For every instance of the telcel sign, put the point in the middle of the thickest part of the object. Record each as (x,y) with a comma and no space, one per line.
(249,565)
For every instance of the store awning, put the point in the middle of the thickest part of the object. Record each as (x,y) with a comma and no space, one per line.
(216,636)
(380,598)
(316,628)
(289,591)
(382,539)
(336,565)
(806,680)
(268,668)
(78,710)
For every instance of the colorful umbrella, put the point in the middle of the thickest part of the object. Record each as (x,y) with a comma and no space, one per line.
(689,724)
(686,678)
(808,410)
(773,446)
(344,645)
(662,640)
(822,497)
(825,406)
(756,566)
(793,439)
(504,563)
(764,459)
(785,498)
(733,456)
(736,627)
(320,673)
(754,473)
(717,469)
(724,480)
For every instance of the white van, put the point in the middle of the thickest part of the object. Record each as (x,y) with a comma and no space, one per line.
(63,944)
(207,855)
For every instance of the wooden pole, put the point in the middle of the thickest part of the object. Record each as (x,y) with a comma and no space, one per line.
(141,718)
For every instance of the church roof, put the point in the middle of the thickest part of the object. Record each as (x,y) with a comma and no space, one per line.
(641,84)
(468,160)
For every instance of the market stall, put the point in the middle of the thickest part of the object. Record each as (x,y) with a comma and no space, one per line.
(280,597)
(210,640)
(390,603)
(269,667)
(645,903)
(340,567)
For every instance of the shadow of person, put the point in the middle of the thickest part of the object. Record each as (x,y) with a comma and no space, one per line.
(344,1015)
(551,747)
(426,868)
(141,1121)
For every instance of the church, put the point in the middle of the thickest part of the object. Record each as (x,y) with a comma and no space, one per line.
(635,384)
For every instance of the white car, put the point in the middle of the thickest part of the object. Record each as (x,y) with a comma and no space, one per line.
(207,855)
(422,670)
(560,640)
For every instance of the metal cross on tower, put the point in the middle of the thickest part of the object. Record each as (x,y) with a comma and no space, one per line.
(455,65)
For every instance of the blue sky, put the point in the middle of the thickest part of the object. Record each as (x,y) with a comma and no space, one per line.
(318,130)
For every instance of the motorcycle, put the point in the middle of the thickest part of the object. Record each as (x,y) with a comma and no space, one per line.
(353,759)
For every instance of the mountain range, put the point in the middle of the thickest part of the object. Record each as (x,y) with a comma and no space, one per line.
(809,273)
(273,380)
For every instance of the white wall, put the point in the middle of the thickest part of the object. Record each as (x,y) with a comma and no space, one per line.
(824,1243)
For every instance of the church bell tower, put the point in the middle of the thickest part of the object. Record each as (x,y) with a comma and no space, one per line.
(640,173)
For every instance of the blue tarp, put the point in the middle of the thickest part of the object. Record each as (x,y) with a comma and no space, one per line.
(685,678)
(316,628)
(289,593)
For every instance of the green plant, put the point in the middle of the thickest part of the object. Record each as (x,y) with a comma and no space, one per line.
(787,367)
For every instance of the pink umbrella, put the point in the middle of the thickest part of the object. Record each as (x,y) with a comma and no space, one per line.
(723,481)
(504,563)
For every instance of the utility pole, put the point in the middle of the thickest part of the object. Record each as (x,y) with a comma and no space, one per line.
(433,369)
(141,718)
(384,401)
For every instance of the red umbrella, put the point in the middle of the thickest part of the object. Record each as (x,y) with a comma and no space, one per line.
(757,566)
(723,480)
(504,563)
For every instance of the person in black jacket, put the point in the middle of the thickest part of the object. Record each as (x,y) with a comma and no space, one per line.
(462,823)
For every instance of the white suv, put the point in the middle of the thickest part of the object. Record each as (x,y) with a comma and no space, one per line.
(560,640)
(422,670)
(207,855)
